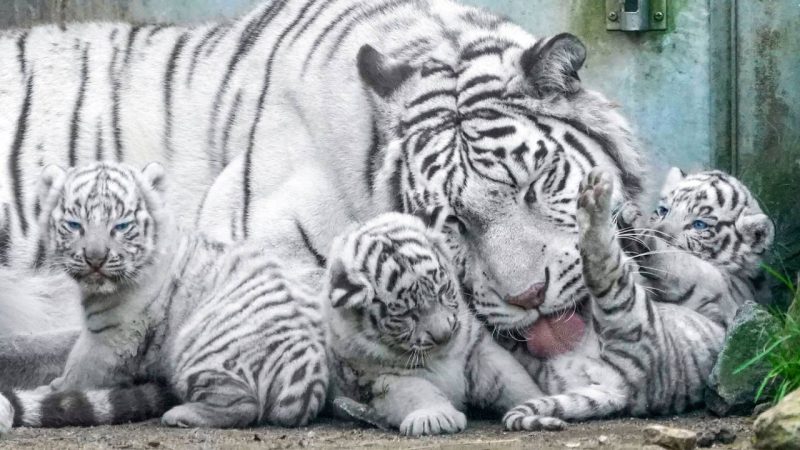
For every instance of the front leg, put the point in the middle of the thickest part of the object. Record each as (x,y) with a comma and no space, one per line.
(415,406)
(92,363)
(499,382)
(543,413)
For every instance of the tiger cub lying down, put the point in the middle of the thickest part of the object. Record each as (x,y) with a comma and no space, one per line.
(218,324)
(403,339)
(652,340)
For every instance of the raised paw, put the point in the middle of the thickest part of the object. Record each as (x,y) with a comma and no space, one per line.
(519,420)
(432,421)
(595,192)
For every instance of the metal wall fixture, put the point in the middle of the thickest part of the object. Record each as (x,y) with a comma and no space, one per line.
(636,15)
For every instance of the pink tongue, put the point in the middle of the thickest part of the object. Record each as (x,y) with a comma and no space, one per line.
(551,336)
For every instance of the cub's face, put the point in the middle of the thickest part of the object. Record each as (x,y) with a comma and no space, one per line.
(715,217)
(98,223)
(392,282)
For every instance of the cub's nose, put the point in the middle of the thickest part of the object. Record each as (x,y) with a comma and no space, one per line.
(95,257)
(532,298)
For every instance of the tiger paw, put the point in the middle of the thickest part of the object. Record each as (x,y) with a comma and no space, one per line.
(517,420)
(594,196)
(433,421)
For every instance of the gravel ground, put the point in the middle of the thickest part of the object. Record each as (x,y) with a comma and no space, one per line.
(619,434)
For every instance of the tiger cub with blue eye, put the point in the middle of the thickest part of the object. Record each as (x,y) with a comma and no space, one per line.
(403,340)
(659,317)
(220,329)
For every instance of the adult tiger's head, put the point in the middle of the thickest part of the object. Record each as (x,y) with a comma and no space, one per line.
(502,133)
(394,291)
(100,222)
(714,216)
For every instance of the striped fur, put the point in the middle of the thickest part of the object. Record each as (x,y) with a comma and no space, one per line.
(387,105)
(653,340)
(236,339)
(403,340)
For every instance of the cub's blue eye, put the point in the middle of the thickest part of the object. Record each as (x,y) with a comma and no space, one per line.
(662,211)
(122,226)
(74,226)
(699,225)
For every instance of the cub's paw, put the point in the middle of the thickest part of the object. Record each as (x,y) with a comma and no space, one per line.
(594,196)
(6,415)
(432,421)
(518,420)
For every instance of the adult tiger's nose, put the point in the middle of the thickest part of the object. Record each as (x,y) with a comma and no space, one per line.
(531,298)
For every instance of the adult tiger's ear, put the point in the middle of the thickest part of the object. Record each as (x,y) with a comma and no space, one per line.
(757,229)
(551,66)
(51,182)
(153,175)
(348,290)
(381,74)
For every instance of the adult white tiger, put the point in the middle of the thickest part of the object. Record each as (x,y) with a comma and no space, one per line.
(341,109)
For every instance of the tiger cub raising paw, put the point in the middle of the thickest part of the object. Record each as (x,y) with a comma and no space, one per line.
(403,339)
(221,326)
(655,338)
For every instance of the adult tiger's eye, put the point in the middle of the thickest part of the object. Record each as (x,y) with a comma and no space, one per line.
(662,211)
(73,225)
(699,225)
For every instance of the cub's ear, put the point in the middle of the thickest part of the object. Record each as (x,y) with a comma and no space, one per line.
(381,74)
(674,176)
(153,175)
(551,66)
(348,290)
(50,184)
(434,217)
(757,229)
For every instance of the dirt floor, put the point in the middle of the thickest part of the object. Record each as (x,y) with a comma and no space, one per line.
(612,434)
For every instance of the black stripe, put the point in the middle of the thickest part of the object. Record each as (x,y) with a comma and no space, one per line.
(71,408)
(116,87)
(246,189)
(76,113)
(364,17)
(169,79)
(17,405)
(5,235)
(98,141)
(249,37)
(373,155)
(131,40)
(15,157)
(198,49)
(226,131)
(321,262)
(21,52)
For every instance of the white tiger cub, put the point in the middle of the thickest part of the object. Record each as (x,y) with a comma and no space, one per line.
(227,331)
(653,341)
(403,339)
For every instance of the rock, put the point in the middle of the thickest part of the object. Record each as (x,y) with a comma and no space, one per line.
(709,437)
(671,438)
(727,392)
(706,439)
(779,427)
(602,439)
